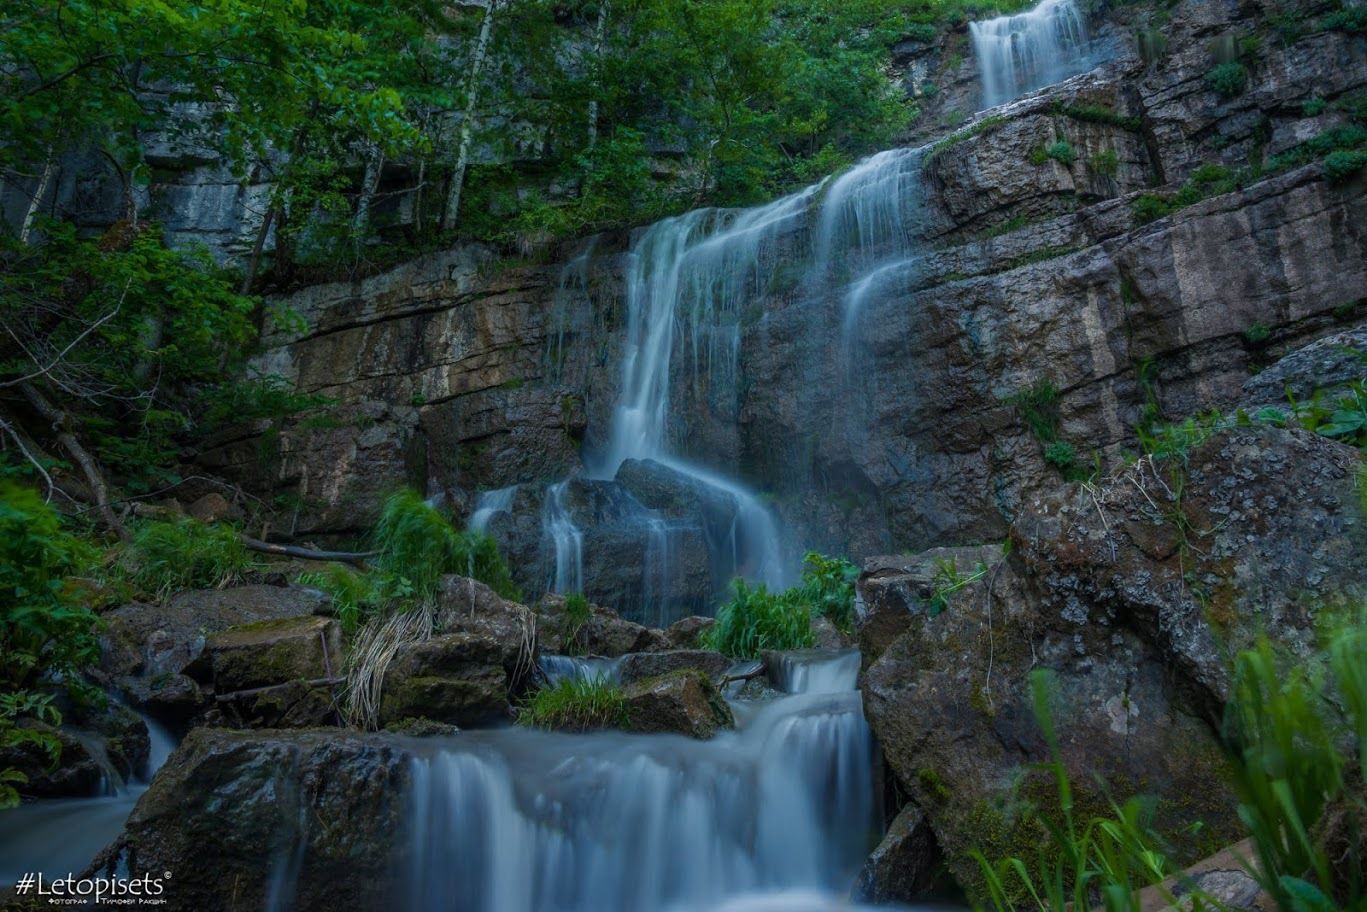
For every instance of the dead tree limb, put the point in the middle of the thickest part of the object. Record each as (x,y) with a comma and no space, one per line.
(61,425)
(345,557)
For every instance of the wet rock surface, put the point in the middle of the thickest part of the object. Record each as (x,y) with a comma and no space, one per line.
(684,702)
(904,864)
(234,815)
(1136,625)
(458,678)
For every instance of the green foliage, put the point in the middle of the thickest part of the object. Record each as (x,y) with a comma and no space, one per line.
(827,588)
(165,556)
(756,620)
(1351,17)
(415,546)
(948,580)
(1060,454)
(1100,114)
(576,704)
(1257,333)
(1313,107)
(1038,408)
(255,397)
(1228,80)
(1344,164)
(1080,863)
(1286,733)
(116,331)
(577,613)
(46,628)
(1061,152)
(15,708)
(1105,163)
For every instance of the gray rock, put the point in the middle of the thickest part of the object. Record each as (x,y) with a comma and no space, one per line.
(457,678)
(685,702)
(639,665)
(904,864)
(1326,364)
(267,653)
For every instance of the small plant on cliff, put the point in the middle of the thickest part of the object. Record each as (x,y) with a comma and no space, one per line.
(576,704)
(948,580)
(1228,80)
(756,620)
(576,614)
(182,554)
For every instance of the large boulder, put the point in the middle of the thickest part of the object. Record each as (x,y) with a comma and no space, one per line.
(304,819)
(466,605)
(147,649)
(638,666)
(458,678)
(268,653)
(685,702)
(603,633)
(1134,593)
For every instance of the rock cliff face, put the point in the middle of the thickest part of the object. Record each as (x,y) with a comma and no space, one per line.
(459,372)
(1135,593)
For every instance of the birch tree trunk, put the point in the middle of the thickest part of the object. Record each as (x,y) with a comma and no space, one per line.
(27,227)
(374,164)
(486,28)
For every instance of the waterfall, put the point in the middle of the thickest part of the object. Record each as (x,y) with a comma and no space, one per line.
(490,504)
(566,538)
(815,671)
(1030,50)
(527,821)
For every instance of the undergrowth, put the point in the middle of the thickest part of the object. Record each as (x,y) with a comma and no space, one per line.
(576,704)
(165,556)
(756,619)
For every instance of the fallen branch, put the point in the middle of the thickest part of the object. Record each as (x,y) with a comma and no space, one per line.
(58,419)
(345,557)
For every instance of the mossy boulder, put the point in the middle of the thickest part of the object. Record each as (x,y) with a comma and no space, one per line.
(273,652)
(456,678)
(638,666)
(685,702)
(603,633)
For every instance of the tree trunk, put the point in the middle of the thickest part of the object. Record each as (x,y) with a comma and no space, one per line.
(598,31)
(34,204)
(61,425)
(254,261)
(347,557)
(486,28)
(374,164)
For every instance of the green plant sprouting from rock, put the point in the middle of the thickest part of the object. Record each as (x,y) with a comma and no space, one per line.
(576,704)
(756,619)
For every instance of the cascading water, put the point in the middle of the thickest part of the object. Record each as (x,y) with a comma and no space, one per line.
(61,836)
(489,505)
(526,821)
(567,539)
(1030,50)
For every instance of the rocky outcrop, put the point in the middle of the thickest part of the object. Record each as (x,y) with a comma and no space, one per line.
(1133,593)
(236,815)
(1031,271)
(603,633)
(456,678)
(97,750)
(155,653)
(684,702)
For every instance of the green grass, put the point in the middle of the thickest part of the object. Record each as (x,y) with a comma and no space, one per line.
(1228,80)
(183,554)
(755,620)
(576,704)
(986,125)
(416,545)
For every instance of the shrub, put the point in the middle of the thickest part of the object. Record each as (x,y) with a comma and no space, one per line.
(576,704)
(15,707)
(756,620)
(1105,163)
(1228,80)
(45,627)
(183,554)
(1060,454)
(1149,207)
(1061,152)
(828,588)
(415,546)
(1257,334)
(1342,165)
(1312,107)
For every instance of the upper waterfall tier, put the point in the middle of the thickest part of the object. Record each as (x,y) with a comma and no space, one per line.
(1030,50)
